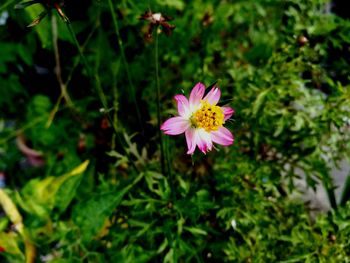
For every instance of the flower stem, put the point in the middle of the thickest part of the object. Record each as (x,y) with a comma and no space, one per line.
(122,52)
(168,167)
(162,157)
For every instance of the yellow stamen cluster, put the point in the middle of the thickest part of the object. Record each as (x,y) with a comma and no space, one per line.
(209,117)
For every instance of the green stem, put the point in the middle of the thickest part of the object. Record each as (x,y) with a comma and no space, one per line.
(25,127)
(77,61)
(168,167)
(115,103)
(122,52)
(162,158)
(100,93)
(99,90)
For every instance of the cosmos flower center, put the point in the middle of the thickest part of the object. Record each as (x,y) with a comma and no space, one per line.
(209,117)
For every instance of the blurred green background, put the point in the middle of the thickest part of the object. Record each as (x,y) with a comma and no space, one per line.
(80,172)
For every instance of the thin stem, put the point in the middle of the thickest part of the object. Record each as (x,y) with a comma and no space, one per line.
(58,70)
(162,159)
(168,167)
(122,52)
(25,127)
(53,112)
(114,126)
(63,86)
(77,61)
(100,92)
(115,102)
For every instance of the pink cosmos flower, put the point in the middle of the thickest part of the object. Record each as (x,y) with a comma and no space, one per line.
(201,120)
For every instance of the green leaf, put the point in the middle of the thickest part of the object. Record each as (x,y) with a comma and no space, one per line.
(196,231)
(43,29)
(91,214)
(66,192)
(10,208)
(9,242)
(157,184)
(4,222)
(259,101)
(39,197)
(170,257)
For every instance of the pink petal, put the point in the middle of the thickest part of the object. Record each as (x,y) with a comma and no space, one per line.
(222,136)
(182,105)
(213,96)
(228,111)
(196,95)
(204,141)
(191,139)
(175,126)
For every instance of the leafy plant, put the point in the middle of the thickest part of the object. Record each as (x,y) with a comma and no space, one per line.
(85,88)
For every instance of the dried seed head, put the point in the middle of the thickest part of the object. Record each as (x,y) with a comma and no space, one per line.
(302,40)
(155,20)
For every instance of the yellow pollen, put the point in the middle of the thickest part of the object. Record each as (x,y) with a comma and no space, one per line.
(208,117)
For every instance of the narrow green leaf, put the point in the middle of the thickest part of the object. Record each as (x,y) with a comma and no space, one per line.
(196,231)
(259,101)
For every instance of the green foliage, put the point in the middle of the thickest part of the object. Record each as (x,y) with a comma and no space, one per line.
(91,214)
(40,197)
(73,92)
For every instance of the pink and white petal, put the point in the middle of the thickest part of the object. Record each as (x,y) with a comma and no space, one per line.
(191,139)
(182,106)
(222,136)
(213,96)
(175,126)
(228,111)
(196,96)
(204,141)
